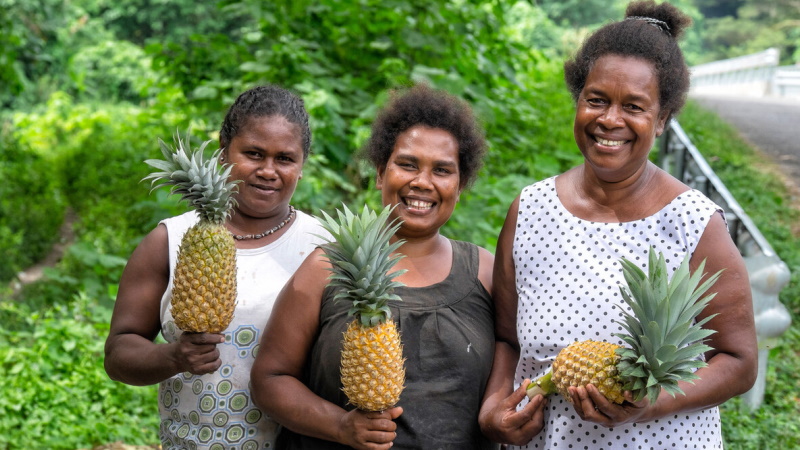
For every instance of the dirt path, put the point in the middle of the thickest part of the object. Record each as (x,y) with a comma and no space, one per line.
(121,446)
(35,272)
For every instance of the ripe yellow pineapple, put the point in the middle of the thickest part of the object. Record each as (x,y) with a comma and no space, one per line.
(204,288)
(372,364)
(662,338)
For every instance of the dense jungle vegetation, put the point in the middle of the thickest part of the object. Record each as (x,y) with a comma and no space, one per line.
(87,87)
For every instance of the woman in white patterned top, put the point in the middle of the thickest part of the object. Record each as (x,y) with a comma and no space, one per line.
(557,274)
(204,393)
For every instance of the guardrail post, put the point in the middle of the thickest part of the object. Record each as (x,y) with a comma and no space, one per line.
(767,278)
(768,273)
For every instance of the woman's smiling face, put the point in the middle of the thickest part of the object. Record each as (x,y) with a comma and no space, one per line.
(618,116)
(422,178)
(267,155)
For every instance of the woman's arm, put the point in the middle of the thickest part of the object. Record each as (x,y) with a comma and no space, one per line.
(277,372)
(131,355)
(732,364)
(485,268)
(499,419)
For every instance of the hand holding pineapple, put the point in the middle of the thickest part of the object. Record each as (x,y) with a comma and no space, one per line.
(507,424)
(361,257)
(663,339)
(204,287)
(197,353)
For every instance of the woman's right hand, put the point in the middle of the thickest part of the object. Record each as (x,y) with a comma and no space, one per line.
(197,353)
(369,430)
(505,424)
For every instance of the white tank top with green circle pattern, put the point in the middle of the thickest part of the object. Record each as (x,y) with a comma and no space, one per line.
(215,411)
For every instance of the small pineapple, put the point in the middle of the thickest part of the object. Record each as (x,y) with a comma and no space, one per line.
(204,288)
(372,364)
(662,338)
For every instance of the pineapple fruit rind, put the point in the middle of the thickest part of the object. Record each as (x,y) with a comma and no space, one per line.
(372,364)
(589,362)
(662,340)
(204,281)
(359,364)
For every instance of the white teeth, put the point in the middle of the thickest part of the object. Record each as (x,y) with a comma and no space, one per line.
(609,143)
(419,204)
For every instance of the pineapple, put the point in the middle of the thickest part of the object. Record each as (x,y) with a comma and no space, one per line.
(662,338)
(204,288)
(372,363)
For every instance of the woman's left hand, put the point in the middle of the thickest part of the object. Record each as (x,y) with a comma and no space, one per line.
(592,406)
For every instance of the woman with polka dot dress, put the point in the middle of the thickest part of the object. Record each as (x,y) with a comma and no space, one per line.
(557,272)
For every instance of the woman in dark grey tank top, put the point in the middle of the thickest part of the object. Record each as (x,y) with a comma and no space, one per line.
(447,332)
(426,148)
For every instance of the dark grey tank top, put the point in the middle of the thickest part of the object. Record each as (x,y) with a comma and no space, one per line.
(447,330)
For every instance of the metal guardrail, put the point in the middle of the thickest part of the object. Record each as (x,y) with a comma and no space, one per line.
(786,82)
(736,69)
(768,273)
(754,75)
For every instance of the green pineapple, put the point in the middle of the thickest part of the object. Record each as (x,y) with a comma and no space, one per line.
(372,363)
(204,287)
(662,338)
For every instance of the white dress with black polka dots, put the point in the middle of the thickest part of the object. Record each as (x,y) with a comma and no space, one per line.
(568,278)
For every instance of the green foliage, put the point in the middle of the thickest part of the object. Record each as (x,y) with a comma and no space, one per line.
(31,209)
(731,37)
(42,36)
(582,12)
(22,54)
(749,26)
(89,156)
(55,392)
(12,77)
(482,210)
(536,28)
(98,150)
(323,187)
(141,21)
(111,71)
(719,8)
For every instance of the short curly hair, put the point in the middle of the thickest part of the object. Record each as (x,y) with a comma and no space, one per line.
(264,101)
(423,105)
(650,31)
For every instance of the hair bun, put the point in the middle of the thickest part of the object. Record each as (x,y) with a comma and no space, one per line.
(664,16)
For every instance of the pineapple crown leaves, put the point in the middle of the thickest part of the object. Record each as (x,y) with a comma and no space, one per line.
(663,339)
(361,256)
(199,181)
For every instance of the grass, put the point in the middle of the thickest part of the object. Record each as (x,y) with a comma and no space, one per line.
(774,424)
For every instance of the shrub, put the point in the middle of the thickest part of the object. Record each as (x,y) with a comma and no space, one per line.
(55,393)
(31,208)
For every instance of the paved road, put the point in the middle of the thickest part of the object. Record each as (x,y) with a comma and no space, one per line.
(772,125)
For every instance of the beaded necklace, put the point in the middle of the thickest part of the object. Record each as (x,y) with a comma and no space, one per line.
(268,232)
